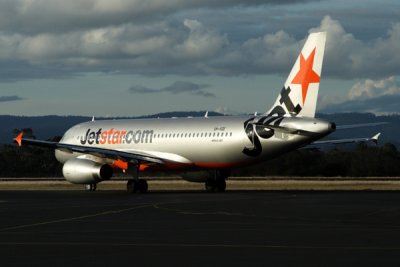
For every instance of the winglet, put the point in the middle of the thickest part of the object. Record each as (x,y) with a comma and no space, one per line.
(375,138)
(206,115)
(18,139)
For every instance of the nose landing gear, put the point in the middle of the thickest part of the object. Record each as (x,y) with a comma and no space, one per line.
(90,187)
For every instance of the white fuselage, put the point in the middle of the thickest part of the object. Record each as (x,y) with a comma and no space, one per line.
(214,142)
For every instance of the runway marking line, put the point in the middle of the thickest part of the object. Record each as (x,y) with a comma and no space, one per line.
(157,206)
(196,245)
(154,205)
(75,218)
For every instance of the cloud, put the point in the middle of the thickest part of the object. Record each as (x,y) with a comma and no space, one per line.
(348,57)
(10,98)
(153,49)
(168,37)
(52,16)
(227,111)
(178,87)
(375,96)
(222,110)
(374,88)
(272,53)
(388,104)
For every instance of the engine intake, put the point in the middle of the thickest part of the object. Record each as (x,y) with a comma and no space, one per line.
(84,171)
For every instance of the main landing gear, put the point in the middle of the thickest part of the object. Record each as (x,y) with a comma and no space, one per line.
(217,183)
(139,185)
(136,185)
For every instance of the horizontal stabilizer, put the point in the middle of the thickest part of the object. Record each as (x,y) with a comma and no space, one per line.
(373,139)
(359,125)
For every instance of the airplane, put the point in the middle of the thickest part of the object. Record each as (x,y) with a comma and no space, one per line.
(92,150)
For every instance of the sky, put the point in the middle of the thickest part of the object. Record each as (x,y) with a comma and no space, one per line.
(140,57)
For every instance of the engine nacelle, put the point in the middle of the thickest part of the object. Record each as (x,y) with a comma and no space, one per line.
(84,171)
(196,176)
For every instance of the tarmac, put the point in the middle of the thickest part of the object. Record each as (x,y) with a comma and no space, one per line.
(195,228)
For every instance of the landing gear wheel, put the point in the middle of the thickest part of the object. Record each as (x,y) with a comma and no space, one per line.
(210,185)
(142,186)
(220,185)
(130,186)
(215,185)
(90,187)
(134,186)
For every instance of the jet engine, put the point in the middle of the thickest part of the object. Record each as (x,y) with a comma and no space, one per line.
(84,171)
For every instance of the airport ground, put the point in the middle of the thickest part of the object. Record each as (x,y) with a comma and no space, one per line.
(52,225)
(235,183)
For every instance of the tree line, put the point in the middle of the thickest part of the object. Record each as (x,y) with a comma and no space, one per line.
(361,161)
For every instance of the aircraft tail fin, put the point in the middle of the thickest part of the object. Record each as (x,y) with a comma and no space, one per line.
(299,95)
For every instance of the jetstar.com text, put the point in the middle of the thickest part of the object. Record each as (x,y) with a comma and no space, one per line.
(115,137)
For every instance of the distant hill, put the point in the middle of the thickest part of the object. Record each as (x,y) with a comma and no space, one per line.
(45,127)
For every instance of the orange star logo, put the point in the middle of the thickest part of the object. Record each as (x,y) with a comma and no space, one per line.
(306,74)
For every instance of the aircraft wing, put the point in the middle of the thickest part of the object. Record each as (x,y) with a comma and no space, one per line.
(373,139)
(99,152)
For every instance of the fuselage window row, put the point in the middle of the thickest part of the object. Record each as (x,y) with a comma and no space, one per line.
(191,135)
(170,135)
